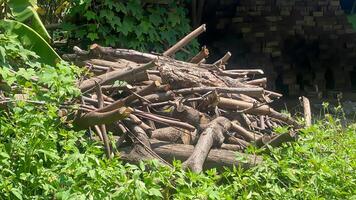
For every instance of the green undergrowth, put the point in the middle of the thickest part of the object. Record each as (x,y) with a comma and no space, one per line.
(41,157)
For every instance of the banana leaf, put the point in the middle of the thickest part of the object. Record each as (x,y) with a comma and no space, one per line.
(32,41)
(25,11)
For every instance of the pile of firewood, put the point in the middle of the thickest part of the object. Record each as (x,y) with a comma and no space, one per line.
(161,108)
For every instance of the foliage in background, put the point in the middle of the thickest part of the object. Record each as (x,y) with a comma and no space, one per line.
(42,158)
(130,24)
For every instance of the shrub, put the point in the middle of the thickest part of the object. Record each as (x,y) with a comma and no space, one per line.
(130,24)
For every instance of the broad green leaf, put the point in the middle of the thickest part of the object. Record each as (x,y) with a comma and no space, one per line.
(32,40)
(17,193)
(25,11)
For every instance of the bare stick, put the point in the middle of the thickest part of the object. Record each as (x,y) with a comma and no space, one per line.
(107,147)
(163,120)
(171,51)
(110,77)
(96,118)
(307,111)
(204,53)
(223,60)
(247,71)
(255,92)
(248,136)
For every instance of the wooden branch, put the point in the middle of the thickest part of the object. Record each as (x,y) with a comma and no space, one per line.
(217,158)
(107,147)
(307,111)
(171,51)
(248,135)
(280,139)
(204,53)
(187,114)
(237,141)
(142,148)
(119,64)
(256,110)
(96,118)
(165,121)
(140,123)
(223,60)
(247,71)
(233,147)
(110,77)
(173,135)
(259,82)
(255,92)
(213,135)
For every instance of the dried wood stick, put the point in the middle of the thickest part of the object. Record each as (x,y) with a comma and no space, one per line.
(98,132)
(120,64)
(255,92)
(122,138)
(140,123)
(204,53)
(217,158)
(107,147)
(235,140)
(248,71)
(232,147)
(96,118)
(255,109)
(248,135)
(110,77)
(258,82)
(164,120)
(280,139)
(223,60)
(171,134)
(171,51)
(128,100)
(307,111)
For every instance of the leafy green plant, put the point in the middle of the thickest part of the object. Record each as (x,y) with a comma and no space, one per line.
(25,11)
(23,21)
(32,40)
(130,24)
(43,158)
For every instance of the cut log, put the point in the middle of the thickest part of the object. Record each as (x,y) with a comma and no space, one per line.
(212,136)
(217,158)
(171,134)
(163,120)
(204,53)
(171,51)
